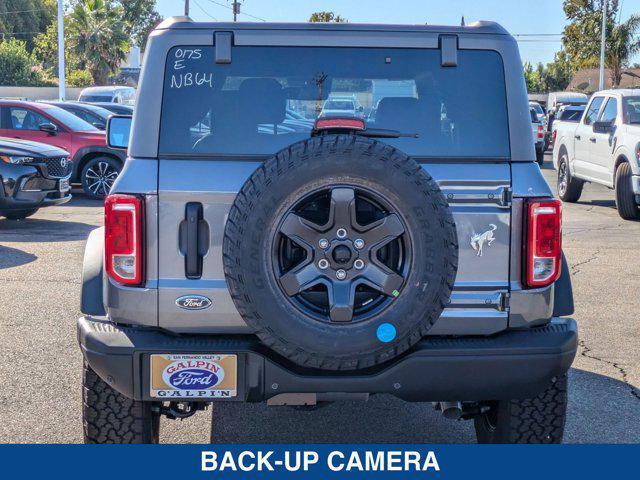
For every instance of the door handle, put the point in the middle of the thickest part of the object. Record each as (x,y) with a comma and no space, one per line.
(577,137)
(592,139)
(194,239)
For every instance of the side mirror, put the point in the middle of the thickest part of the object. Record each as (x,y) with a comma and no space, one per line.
(50,128)
(602,127)
(118,131)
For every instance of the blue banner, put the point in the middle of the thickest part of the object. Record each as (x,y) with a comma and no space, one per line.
(119,462)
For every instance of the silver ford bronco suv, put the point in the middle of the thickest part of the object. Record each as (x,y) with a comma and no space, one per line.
(264,244)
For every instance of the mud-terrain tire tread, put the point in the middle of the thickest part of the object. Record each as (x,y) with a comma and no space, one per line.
(625,198)
(574,185)
(110,417)
(535,420)
(268,174)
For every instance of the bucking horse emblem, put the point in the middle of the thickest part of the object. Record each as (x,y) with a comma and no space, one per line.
(478,240)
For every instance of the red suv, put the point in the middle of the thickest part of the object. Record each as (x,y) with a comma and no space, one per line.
(95,165)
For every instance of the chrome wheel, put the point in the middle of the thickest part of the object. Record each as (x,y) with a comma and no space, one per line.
(563,177)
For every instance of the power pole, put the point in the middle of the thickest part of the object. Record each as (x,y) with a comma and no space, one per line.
(186,8)
(236,10)
(61,77)
(602,44)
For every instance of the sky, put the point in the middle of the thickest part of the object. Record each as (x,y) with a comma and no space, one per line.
(538,23)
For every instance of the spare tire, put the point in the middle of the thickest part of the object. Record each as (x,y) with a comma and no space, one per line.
(341,252)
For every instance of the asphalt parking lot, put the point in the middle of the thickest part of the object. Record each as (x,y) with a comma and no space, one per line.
(40,364)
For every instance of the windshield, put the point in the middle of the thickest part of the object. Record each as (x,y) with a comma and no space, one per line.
(95,98)
(537,108)
(69,120)
(241,108)
(338,105)
(631,110)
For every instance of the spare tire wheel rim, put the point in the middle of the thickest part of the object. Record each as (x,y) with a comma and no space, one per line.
(341,254)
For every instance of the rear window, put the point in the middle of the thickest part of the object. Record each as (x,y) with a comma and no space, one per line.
(631,110)
(571,115)
(270,97)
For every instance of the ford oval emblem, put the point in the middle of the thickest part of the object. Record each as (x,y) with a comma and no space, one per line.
(193,302)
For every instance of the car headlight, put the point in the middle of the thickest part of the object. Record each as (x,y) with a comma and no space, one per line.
(17,159)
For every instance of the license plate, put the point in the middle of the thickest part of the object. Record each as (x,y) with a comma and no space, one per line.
(64,185)
(193,376)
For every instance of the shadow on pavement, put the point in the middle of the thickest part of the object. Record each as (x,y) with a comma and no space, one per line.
(43,230)
(12,257)
(599,203)
(601,410)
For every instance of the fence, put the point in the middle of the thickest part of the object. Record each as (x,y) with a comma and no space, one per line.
(37,93)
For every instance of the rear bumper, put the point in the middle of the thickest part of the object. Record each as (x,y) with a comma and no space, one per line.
(516,364)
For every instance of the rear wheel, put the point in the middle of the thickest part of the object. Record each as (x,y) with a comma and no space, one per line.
(110,417)
(98,176)
(534,420)
(540,156)
(625,198)
(20,214)
(569,188)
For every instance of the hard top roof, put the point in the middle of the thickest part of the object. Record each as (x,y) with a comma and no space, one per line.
(181,23)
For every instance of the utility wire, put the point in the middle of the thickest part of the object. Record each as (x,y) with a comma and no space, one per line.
(204,11)
(25,11)
(241,13)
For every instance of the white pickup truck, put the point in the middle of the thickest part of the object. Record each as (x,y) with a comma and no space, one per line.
(604,148)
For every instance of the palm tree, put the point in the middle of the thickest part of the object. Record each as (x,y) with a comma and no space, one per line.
(97,35)
(623,43)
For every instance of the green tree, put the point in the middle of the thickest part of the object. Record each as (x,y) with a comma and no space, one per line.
(141,18)
(97,35)
(24,19)
(17,66)
(553,77)
(531,78)
(623,44)
(581,36)
(327,17)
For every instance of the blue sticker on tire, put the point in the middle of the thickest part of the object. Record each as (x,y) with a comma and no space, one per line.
(386,332)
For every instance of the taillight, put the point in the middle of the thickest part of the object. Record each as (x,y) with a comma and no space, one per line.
(123,218)
(544,242)
(540,131)
(553,135)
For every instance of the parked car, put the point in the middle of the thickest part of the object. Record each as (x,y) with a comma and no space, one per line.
(566,113)
(95,165)
(604,148)
(335,263)
(90,113)
(559,99)
(540,113)
(110,94)
(32,175)
(339,106)
(117,108)
(537,128)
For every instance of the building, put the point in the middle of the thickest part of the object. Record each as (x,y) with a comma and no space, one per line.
(586,80)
